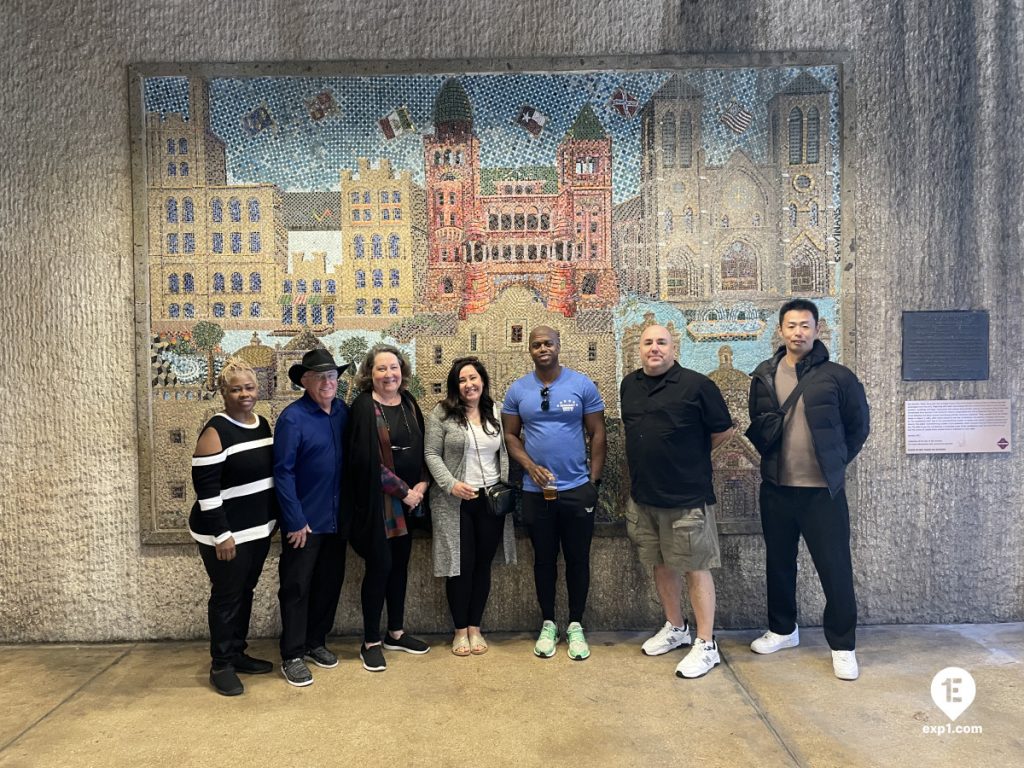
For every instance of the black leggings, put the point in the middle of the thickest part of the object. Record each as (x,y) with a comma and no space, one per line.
(230,606)
(564,524)
(480,533)
(387,575)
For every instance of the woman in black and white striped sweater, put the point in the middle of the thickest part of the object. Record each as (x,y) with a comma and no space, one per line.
(232,520)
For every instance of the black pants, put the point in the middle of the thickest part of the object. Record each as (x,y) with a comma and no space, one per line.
(786,513)
(563,523)
(231,585)
(387,575)
(311,579)
(480,533)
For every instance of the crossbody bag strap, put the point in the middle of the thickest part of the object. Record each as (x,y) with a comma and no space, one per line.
(797,391)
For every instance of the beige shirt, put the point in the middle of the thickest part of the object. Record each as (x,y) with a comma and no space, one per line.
(797,463)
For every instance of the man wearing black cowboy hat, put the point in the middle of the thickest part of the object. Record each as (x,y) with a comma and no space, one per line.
(307,476)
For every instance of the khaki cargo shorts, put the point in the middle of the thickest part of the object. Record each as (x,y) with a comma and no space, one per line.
(683,539)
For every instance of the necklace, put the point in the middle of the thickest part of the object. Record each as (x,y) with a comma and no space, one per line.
(405,419)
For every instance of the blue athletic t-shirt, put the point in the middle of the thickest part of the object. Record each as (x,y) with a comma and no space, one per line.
(554,438)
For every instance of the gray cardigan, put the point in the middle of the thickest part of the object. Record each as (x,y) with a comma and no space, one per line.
(444,447)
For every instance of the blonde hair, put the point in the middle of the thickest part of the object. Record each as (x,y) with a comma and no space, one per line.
(234,367)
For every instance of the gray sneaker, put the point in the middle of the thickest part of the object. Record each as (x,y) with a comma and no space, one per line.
(546,640)
(668,638)
(296,673)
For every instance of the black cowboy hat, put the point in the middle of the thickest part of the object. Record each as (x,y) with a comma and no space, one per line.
(317,360)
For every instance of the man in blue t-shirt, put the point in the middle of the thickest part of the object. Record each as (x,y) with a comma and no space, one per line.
(545,416)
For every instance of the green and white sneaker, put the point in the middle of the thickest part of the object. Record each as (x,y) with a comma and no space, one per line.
(547,640)
(578,648)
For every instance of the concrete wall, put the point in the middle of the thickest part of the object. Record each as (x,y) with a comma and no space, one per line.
(939,139)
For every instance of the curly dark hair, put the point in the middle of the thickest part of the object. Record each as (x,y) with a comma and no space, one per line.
(364,376)
(453,406)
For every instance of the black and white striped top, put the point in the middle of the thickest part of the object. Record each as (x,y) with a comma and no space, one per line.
(235,488)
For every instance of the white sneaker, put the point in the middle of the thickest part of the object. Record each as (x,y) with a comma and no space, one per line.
(668,638)
(770,642)
(844,664)
(701,659)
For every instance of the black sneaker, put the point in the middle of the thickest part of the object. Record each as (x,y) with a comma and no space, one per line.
(406,643)
(322,657)
(226,682)
(246,664)
(296,673)
(373,658)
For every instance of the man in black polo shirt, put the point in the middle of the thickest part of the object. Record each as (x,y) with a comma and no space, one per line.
(673,418)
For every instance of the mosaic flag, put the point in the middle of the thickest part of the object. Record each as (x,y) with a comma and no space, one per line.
(321,216)
(736,117)
(395,123)
(624,102)
(257,120)
(322,105)
(532,120)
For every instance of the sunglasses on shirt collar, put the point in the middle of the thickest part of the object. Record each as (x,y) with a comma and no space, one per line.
(545,402)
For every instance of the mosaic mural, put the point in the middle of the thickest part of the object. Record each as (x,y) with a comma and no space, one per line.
(451,212)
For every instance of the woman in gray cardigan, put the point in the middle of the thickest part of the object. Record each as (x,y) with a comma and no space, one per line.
(465,452)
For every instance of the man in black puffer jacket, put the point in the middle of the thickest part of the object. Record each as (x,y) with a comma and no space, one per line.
(803,475)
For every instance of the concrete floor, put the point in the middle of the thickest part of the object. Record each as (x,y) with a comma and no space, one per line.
(149,704)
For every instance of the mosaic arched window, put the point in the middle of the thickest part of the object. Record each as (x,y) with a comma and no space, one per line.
(218,309)
(236,282)
(300,286)
(316,314)
(332,287)
(235,209)
(668,140)
(170,146)
(683,277)
(188,210)
(172,242)
(688,219)
(686,140)
(183,169)
(801,274)
(360,279)
(217,210)
(532,220)
(330,314)
(317,286)
(360,306)
(359,244)
(545,220)
(236,309)
(396,196)
(378,278)
(172,283)
(447,286)
(392,306)
(377,247)
(172,210)
(218,282)
(791,214)
(254,209)
(189,241)
(366,197)
(236,242)
(668,221)
(739,268)
(254,309)
(255,282)
(188,283)
(182,146)
(813,135)
(814,215)
(394,278)
(286,314)
(287,287)
(385,214)
(589,285)
(172,169)
(255,243)
(173,310)
(190,311)
(796,136)
(378,305)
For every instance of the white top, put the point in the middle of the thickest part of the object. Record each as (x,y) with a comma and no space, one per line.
(488,462)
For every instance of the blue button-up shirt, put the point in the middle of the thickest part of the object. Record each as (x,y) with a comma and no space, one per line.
(307,465)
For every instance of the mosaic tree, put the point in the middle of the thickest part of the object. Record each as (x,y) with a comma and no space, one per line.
(206,336)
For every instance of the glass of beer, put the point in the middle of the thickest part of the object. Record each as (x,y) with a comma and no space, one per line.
(551,489)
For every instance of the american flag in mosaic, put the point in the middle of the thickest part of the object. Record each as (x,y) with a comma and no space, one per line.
(736,117)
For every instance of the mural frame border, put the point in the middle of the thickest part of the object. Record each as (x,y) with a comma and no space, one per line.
(136,72)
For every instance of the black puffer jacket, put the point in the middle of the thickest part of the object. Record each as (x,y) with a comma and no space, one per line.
(835,406)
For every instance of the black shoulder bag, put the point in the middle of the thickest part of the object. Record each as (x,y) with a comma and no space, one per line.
(765,431)
(500,497)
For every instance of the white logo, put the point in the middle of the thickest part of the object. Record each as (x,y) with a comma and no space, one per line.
(953,691)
